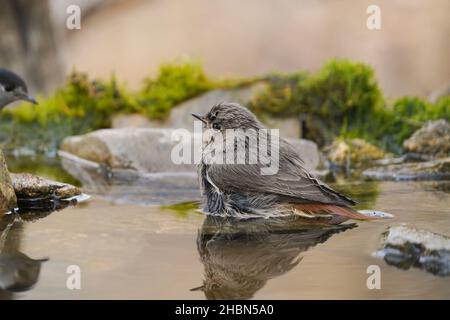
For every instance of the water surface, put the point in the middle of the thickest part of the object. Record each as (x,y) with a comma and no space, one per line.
(130,251)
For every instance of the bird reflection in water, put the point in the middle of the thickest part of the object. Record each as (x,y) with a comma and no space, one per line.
(239,257)
(19,272)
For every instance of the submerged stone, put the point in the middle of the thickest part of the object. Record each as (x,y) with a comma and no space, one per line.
(429,170)
(407,248)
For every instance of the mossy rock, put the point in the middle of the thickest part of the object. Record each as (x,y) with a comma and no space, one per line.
(432,139)
(8,199)
(354,153)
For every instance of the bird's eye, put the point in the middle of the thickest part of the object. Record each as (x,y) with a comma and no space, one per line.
(216,126)
(8,88)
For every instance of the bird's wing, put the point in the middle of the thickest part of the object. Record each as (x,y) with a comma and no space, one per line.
(291,182)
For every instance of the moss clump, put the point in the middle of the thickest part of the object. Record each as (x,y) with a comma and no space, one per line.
(339,98)
(83,105)
(80,106)
(174,83)
(281,98)
(344,99)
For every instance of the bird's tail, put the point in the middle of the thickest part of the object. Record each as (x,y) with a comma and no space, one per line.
(319,210)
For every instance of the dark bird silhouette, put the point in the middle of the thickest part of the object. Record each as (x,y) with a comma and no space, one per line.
(240,190)
(12,88)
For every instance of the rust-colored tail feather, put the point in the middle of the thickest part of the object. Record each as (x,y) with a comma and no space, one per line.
(319,208)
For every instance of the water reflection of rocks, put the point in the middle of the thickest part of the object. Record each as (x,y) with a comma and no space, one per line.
(240,257)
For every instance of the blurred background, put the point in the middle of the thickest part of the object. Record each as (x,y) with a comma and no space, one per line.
(410,54)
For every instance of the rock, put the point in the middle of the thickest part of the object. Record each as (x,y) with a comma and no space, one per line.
(355,153)
(130,121)
(408,157)
(308,150)
(143,150)
(124,186)
(289,127)
(180,116)
(430,170)
(407,248)
(108,162)
(432,139)
(150,150)
(8,199)
(28,186)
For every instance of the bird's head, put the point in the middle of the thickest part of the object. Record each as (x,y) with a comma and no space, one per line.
(228,115)
(12,88)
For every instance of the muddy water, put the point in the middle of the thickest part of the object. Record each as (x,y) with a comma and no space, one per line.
(153,252)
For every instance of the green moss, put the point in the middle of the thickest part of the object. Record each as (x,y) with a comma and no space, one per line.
(80,106)
(281,98)
(174,83)
(344,99)
(341,99)
(83,105)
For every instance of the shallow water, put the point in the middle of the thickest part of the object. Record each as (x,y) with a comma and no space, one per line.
(152,252)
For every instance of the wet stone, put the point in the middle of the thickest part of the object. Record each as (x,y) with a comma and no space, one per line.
(38,197)
(406,248)
(28,186)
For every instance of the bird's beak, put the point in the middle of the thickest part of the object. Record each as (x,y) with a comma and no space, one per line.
(199,117)
(30,99)
(197,288)
(24,96)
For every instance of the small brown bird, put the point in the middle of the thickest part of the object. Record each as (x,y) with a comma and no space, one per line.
(240,190)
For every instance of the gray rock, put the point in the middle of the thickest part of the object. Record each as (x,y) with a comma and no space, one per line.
(432,139)
(124,186)
(308,151)
(150,150)
(429,170)
(407,248)
(135,120)
(108,162)
(180,116)
(143,150)
(8,199)
(289,127)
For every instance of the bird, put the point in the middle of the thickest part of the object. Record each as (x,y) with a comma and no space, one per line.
(239,190)
(13,88)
